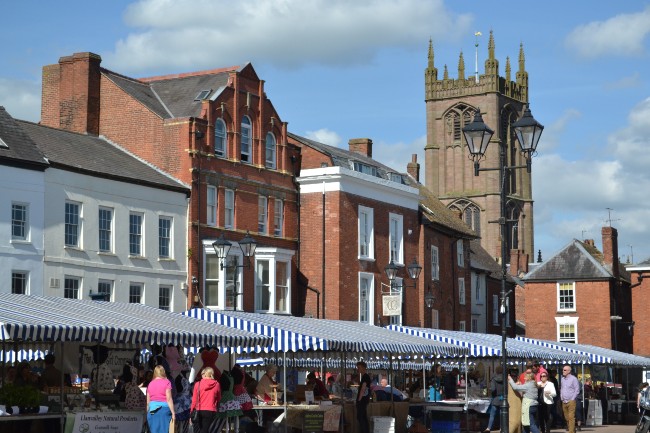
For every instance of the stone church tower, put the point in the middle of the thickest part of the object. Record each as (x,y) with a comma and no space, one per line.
(449,172)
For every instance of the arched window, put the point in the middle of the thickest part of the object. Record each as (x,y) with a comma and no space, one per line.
(513,213)
(270,150)
(456,119)
(507,136)
(220,138)
(470,212)
(246,139)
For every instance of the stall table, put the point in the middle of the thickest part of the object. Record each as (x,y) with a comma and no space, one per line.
(109,421)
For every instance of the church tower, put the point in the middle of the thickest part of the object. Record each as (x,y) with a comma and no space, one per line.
(449,172)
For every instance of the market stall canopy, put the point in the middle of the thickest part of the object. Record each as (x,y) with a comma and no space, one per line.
(32,318)
(598,355)
(293,334)
(489,345)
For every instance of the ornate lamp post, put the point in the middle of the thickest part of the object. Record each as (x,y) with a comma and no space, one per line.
(477,134)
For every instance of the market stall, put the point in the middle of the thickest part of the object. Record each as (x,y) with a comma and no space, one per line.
(58,322)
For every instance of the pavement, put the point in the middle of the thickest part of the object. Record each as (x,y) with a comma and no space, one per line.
(609,428)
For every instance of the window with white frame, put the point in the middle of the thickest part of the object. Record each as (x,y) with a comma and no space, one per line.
(19,222)
(461,326)
(364,168)
(270,150)
(211,206)
(71,286)
(105,287)
(135,234)
(567,329)
(105,229)
(220,138)
(272,281)
(460,253)
(232,277)
(72,224)
(164,297)
(212,275)
(480,287)
(262,214)
(246,139)
(19,281)
(495,309)
(135,293)
(395,238)
(165,237)
(222,286)
(435,319)
(366,233)
(474,325)
(278,217)
(366,297)
(566,296)
(461,291)
(435,264)
(229,207)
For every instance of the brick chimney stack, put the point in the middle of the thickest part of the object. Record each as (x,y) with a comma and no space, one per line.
(610,249)
(518,262)
(361,145)
(71,94)
(413,168)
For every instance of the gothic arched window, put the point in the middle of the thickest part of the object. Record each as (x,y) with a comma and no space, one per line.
(470,212)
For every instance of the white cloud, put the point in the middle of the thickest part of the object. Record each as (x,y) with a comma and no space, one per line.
(631,143)
(553,132)
(622,34)
(286,34)
(21,99)
(325,136)
(398,155)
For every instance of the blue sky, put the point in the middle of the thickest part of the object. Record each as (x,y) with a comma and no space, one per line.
(337,70)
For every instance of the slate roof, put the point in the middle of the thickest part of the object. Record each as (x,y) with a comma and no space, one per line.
(173,96)
(576,261)
(96,156)
(345,158)
(18,149)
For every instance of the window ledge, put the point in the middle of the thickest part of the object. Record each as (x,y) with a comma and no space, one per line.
(131,256)
(573,310)
(72,247)
(106,253)
(20,241)
(166,259)
(367,259)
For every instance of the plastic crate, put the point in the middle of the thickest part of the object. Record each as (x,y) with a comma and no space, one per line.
(383,424)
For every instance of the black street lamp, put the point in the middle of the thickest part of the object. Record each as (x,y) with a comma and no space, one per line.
(413,270)
(477,134)
(222,248)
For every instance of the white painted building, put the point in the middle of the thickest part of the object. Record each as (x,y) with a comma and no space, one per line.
(22,189)
(114,225)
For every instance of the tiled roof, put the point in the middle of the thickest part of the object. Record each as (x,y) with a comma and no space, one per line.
(173,96)
(344,158)
(437,213)
(96,156)
(16,148)
(576,261)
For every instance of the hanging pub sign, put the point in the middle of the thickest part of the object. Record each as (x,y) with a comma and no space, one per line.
(392,305)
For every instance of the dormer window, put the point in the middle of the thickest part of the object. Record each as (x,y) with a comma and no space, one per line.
(395,177)
(203,94)
(364,168)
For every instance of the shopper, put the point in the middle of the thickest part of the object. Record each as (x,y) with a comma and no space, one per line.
(160,407)
(569,390)
(206,396)
(529,402)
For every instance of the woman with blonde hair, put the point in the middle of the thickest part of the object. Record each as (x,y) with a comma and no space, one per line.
(160,406)
(529,402)
(206,396)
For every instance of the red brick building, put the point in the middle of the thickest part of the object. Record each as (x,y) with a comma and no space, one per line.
(640,328)
(217,132)
(356,216)
(581,295)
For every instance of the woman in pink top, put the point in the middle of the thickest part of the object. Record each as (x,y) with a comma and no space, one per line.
(160,406)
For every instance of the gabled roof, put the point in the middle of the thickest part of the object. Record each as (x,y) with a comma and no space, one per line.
(96,156)
(345,158)
(576,261)
(482,260)
(175,96)
(16,147)
(434,211)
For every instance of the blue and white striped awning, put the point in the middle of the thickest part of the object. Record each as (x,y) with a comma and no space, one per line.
(293,334)
(597,355)
(489,345)
(32,318)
